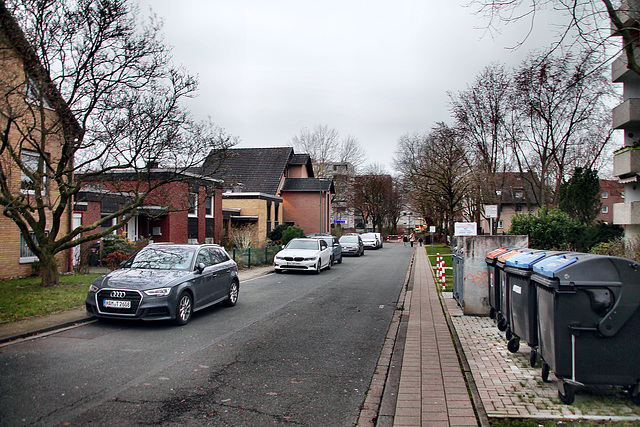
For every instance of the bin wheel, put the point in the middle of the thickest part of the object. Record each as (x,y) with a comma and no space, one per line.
(502,323)
(514,345)
(533,358)
(545,372)
(635,397)
(508,334)
(569,394)
(492,313)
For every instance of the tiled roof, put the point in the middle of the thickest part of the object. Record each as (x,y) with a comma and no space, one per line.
(253,169)
(308,184)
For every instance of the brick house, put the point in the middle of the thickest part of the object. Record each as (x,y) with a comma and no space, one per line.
(266,187)
(513,194)
(611,192)
(187,210)
(28,98)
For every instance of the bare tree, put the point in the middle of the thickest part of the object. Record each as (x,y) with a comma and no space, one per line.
(436,166)
(325,147)
(118,100)
(587,22)
(561,120)
(371,195)
(482,114)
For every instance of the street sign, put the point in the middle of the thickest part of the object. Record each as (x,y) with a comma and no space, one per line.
(466,229)
(491,211)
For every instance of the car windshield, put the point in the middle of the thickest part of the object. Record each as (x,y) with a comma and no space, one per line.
(303,244)
(164,258)
(368,236)
(349,239)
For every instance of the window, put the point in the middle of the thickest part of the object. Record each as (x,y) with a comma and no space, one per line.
(26,255)
(501,224)
(218,255)
(204,257)
(33,94)
(605,194)
(605,209)
(518,194)
(208,206)
(193,205)
(105,225)
(30,161)
(518,208)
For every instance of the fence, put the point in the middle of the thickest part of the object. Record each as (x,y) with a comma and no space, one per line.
(253,257)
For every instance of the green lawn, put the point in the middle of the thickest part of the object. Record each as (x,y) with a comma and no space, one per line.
(23,298)
(445,252)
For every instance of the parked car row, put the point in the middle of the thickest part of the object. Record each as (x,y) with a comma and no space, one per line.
(166,281)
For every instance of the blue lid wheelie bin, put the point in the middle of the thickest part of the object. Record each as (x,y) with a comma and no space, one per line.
(522,300)
(503,311)
(589,321)
(494,285)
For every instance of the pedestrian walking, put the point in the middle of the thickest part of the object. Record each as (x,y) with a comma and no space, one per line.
(420,240)
(404,240)
(412,239)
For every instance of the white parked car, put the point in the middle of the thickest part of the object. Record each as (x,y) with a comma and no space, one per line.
(371,240)
(303,254)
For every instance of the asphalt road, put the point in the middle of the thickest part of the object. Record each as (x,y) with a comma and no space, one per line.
(297,349)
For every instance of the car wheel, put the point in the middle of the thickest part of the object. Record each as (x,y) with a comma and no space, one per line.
(232,296)
(330,264)
(340,260)
(184,309)
(317,270)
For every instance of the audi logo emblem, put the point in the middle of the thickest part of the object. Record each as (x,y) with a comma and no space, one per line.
(118,294)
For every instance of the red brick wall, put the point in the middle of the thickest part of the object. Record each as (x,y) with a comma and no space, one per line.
(310,211)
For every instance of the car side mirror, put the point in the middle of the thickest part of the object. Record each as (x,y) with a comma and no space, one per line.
(200,267)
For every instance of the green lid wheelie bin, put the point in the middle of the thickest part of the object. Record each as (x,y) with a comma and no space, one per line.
(494,285)
(589,321)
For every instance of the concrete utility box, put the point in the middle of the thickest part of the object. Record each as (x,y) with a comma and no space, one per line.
(473,280)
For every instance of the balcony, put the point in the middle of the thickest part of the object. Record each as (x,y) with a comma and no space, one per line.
(627,114)
(626,162)
(626,213)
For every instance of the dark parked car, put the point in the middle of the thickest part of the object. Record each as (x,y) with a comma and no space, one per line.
(332,242)
(352,245)
(166,282)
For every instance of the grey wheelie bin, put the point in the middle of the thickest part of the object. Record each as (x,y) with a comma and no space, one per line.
(589,321)
(502,316)
(494,285)
(457,261)
(523,314)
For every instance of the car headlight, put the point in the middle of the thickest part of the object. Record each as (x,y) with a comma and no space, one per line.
(160,292)
(311,258)
(93,288)
(279,257)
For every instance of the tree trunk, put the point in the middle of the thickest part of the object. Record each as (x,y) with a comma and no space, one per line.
(49,270)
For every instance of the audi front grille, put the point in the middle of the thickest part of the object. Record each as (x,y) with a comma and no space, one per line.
(121,297)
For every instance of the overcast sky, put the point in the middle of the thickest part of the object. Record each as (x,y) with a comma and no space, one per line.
(373,69)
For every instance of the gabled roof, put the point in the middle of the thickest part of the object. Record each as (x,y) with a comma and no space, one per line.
(252,169)
(302,160)
(308,185)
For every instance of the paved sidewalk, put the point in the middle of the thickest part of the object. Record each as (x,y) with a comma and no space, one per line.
(432,389)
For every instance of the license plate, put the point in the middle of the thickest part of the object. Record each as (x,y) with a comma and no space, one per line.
(109,303)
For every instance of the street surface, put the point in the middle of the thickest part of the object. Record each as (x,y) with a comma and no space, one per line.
(297,349)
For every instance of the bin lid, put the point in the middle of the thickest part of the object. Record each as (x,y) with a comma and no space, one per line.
(505,256)
(496,253)
(551,265)
(526,259)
